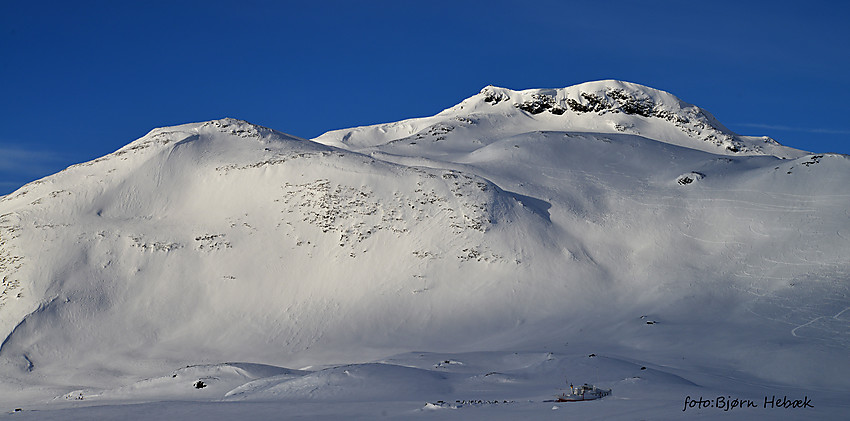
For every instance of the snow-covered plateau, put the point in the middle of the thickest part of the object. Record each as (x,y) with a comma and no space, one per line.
(469,265)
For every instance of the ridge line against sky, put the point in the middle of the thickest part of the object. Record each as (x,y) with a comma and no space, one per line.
(81,79)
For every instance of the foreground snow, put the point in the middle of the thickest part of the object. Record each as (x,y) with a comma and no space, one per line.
(461,266)
(482,385)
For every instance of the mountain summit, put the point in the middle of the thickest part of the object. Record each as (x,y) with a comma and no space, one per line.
(608,106)
(608,216)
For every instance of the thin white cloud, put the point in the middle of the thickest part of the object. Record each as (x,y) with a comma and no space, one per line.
(18,160)
(794,129)
(20,165)
(8,186)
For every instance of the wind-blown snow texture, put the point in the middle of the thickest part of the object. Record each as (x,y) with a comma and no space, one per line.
(477,255)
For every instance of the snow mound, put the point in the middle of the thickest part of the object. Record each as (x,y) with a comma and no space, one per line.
(199,382)
(360,382)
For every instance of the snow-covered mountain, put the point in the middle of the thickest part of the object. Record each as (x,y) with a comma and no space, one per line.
(605,218)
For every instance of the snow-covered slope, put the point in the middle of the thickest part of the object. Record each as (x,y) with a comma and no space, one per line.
(220,225)
(605,218)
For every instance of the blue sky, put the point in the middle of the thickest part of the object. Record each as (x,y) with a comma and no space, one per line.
(80,79)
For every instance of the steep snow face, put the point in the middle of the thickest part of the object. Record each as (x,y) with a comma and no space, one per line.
(601,107)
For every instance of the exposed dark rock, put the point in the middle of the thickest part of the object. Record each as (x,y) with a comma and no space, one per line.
(689,178)
(537,104)
(633,105)
(493,97)
(594,103)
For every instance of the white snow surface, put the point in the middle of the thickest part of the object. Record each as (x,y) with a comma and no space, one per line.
(460,266)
